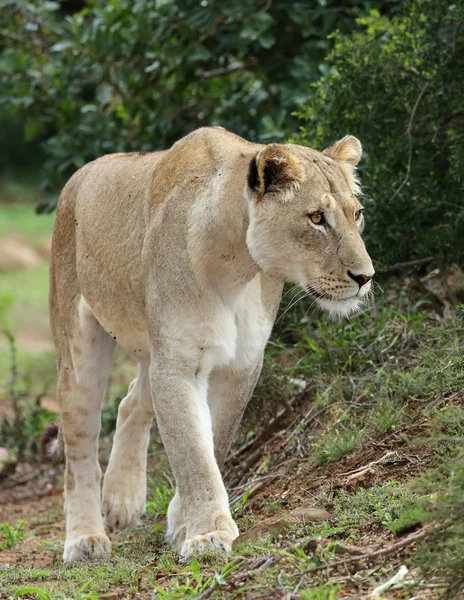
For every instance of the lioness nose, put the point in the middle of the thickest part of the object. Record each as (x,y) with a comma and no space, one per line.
(360,279)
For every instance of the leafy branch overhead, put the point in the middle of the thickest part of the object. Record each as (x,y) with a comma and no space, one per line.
(123,76)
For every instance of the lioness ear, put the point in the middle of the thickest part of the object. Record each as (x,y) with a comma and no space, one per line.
(274,170)
(347,150)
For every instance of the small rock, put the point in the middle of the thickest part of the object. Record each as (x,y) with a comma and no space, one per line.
(282,523)
(6,462)
(15,253)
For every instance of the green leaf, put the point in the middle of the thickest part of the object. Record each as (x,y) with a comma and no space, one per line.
(27,591)
(60,46)
(152,67)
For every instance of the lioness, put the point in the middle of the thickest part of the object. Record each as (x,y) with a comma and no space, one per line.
(180,256)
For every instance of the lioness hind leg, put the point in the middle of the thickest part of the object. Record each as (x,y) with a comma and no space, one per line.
(84,367)
(229,393)
(125,481)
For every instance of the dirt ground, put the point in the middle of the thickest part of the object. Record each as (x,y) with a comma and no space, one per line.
(302,489)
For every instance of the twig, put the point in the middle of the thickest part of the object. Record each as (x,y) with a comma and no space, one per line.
(13,374)
(336,547)
(403,265)
(237,66)
(265,430)
(422,533)
(371,464)
(409,134)
(13,396)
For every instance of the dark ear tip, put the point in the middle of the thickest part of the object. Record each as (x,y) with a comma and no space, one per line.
(252,177)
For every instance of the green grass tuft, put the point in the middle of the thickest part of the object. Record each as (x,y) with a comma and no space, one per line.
(11,536)
(321,592)
(337,444)
(379,505)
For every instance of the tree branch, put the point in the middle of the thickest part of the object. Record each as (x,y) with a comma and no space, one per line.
(232,68)
(415,537)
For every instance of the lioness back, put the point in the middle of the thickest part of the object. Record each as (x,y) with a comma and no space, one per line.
(101,206)
(107,205)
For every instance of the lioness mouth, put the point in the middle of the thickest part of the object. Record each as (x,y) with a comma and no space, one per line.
(321,295)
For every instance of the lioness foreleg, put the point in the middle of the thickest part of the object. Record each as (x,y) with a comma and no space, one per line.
(198,517)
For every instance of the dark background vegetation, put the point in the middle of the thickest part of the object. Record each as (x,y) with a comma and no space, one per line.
(81,79)
(119,76)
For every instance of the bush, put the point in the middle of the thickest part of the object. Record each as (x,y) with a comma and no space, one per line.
(443,549)
(123,76)
(398,86)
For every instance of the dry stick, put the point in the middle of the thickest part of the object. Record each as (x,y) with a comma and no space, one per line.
(409,134)
(416,105)
(403,265)
(376,554)
(263,563)
(262,433)
(371,464)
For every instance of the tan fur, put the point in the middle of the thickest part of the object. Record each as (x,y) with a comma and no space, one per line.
(180,257)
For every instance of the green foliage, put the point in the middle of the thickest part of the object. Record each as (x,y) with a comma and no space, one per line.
(21,430)
(160,497)
(109,415)
(374,506)
(21,433)
(338,443)
(191,582)
(44,594)
(408,518)
(321,592)
(11,536)
(398,86)
(386,417)
(444,548)
(122,76)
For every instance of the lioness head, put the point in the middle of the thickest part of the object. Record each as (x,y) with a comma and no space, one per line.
(306,221)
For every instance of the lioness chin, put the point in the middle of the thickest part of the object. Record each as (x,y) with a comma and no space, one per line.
(180,257)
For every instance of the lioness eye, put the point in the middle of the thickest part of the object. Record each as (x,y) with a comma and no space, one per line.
(317,218)
(358,214)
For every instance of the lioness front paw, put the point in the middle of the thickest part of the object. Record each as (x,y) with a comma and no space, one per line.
(123,506)
(220,540)
(216,541)
(86,547)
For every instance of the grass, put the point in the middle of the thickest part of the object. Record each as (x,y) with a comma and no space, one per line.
(21,218)
(387,416)
(29,291)
(373,507)
(11,536)
(360,402)
(321,592)
(337,443)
